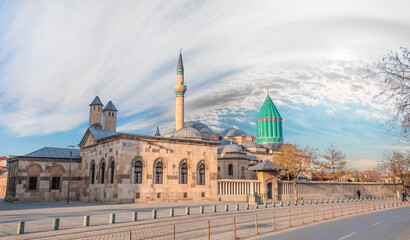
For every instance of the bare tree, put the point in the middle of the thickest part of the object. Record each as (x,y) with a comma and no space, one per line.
(296,161)
(333,162)
(395,69)
(397,166)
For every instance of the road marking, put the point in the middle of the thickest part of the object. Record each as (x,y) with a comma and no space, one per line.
(348,235)
(375,224)
(394,216)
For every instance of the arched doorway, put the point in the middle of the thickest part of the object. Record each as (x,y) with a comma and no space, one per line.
(270,190)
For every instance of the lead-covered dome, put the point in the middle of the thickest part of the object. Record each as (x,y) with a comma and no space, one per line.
(187,132)
(232,132)
(251,144)
(225,141)
(202,128)
(231,148)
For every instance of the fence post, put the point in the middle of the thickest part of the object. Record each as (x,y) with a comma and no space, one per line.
(313,214)
(265,205)
(112,218)
(171,212)
(201,209)
(273,204)
(226,207)
(288,203)
(290,219)
(214,208)
(20,227)
(301,215)
(186,210)
(247,206)
(323,212)
(154,214)
(316,201)
(209,229)
(256,224)
(86,221)
(281,203)
(129,235)
(237,207)
(56,224)
(234,228)
(273,222)
(173,232)
(296,203)
(302,203)
(256,205)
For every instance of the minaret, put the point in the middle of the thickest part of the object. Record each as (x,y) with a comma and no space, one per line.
(95,112)
(110,117)
(179,90)
(269,125)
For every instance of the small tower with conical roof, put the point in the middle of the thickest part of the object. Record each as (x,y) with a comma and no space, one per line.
(269,125)
(110,117)
(157,133)
(95,112)
(179,90)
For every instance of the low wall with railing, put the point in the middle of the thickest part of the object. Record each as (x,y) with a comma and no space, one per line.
(237,190)
(240,190)
(334,190)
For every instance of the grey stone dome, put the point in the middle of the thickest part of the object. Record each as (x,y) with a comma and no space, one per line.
(203,128)
(225,141)
(232,148)
(232,132)
(187,132)
(251,144)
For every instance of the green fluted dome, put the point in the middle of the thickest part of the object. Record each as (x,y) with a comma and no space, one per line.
(269,124)
(268,109)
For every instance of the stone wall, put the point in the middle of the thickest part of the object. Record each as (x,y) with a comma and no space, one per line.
(334,190)
(124,151)
(20,170)
(3,186)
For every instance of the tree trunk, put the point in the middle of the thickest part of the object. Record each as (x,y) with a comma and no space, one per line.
(295,190)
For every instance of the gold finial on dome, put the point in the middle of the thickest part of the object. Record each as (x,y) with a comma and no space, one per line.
(268,90)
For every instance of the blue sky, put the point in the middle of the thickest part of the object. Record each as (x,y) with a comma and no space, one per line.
(56,56)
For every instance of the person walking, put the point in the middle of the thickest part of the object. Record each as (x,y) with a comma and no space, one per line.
(403,195)
(358,194)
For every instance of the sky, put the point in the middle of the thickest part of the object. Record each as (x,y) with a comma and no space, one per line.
(56,56)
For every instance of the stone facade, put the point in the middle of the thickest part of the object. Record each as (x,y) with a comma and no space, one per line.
(31,179)
(159,176)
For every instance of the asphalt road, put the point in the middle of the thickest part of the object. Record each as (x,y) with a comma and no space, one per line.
(387,224)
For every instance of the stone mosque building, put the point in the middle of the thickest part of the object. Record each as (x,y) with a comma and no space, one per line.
(118,167)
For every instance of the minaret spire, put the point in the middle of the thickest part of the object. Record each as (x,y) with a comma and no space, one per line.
(179,90)
(268,90)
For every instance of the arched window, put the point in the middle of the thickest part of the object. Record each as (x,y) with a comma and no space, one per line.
(183,173)
(92,175)
(230,170)
(158,173)
(138,172)
(201,174)
(33,174)
(102,172)
(56,175)
(112,169)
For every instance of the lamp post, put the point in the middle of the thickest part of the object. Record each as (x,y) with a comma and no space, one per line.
(69,174)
